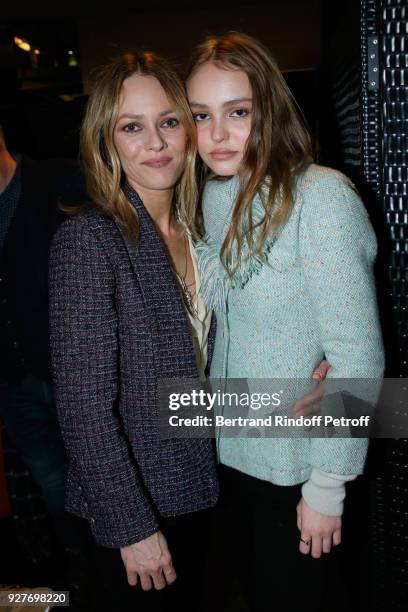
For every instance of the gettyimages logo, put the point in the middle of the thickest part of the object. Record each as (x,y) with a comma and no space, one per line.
(207,400)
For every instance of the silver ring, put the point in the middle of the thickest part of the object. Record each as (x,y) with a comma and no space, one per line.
(307,542)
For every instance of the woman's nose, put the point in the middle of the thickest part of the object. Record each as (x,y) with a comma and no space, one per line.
(154,140)
(219,131)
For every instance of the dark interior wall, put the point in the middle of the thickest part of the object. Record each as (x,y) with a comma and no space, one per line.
(290,28)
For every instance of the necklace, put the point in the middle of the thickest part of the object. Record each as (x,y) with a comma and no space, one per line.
(188,296)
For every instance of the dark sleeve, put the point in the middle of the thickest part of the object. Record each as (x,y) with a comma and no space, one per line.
(68,186)
(84,352)
(68,180)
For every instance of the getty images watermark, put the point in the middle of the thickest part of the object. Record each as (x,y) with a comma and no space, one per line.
(345,408)
(254,401)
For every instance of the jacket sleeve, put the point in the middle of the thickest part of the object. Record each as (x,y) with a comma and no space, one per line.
(85,367)
(337,251)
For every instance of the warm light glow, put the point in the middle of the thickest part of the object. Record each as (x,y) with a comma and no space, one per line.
(22,44)
(72,60)
(37,51)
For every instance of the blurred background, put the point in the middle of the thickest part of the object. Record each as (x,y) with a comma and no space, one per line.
(47,63)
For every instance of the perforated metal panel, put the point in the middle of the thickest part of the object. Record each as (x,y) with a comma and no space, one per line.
(385,166)
(364,131)
(370,103)
(393,25)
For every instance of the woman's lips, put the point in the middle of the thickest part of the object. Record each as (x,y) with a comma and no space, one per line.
(221,154)
(158,162)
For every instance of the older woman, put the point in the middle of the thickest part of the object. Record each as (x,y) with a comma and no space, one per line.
(123,304)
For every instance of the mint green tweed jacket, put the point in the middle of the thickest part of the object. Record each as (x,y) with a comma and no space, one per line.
(313,297)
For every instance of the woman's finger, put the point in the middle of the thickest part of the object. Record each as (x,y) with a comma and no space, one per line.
(307,411)
(169,573)
(327,544)
(158,580)
(316,547)
(310,401)
(337,537)
(305,543)
(322,370)
(145,581)
(131,576)
(298,517)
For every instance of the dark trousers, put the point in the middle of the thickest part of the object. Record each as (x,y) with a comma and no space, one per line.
(187,537)
(260,541)
(29,415)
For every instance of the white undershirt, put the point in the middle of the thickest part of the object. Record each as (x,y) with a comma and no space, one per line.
(200,324)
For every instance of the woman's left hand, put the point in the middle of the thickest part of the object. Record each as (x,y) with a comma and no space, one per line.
(319,531)
(322,370)
(309,404)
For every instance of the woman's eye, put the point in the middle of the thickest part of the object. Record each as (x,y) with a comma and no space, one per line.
(170,123)
(131,127)
(200,116)
(240,112)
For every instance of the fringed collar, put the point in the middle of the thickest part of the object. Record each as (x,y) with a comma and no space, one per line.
(215,280)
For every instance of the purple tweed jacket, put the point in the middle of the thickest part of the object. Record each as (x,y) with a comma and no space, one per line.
(117,326)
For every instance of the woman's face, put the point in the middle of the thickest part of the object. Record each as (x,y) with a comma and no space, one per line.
(148,136)
(221,102)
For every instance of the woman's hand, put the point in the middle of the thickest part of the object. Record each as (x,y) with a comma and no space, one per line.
(310,404)
(318,532)
(322,370)
(149,560)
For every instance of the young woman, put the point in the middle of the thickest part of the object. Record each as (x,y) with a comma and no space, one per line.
(287,265)
(119,273)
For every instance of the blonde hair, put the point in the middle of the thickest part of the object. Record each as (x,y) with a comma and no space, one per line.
(278,147)
(100,160)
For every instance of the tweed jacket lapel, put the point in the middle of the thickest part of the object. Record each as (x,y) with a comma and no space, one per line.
(158,284)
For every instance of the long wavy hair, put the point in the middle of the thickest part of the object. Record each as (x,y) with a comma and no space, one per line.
(278,148)
(99,158)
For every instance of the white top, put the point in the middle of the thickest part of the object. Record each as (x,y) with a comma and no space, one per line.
(200,324)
